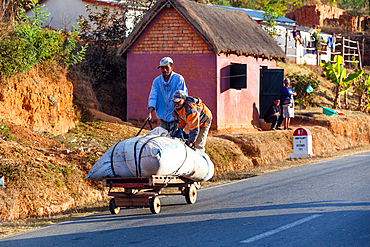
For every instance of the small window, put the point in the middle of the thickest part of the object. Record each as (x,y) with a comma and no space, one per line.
(238,76)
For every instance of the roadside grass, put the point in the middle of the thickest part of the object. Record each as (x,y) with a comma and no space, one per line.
(96,135)
(316,114)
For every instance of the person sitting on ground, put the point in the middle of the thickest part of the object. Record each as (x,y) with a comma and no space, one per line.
(288,103)
(273,115)
(193,112)
(296,36)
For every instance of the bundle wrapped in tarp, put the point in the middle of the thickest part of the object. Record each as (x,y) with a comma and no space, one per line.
(153,154)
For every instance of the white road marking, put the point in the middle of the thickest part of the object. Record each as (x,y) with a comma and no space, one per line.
(277,230)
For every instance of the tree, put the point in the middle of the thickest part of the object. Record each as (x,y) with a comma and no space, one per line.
(363,91)
(337,74)
(270,17)
(26,43)
(105,31)
(355,7)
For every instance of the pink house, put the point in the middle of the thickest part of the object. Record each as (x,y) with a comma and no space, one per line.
(221,54)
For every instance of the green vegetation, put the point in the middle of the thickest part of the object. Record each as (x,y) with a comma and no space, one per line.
(355,7)
(25,43)
(4,131)
(300,83)
(104,32)
(337,74)
(269,16)
(362,89)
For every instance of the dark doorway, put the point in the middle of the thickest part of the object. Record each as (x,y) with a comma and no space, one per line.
(271,87)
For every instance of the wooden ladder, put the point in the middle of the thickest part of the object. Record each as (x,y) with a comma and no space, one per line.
(349,50)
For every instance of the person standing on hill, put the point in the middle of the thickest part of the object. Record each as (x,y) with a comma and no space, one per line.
(288,103)
(193,112)
(296,36)
(331,41)
(163,87)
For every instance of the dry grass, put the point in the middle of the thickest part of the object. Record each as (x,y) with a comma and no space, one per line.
(316,114)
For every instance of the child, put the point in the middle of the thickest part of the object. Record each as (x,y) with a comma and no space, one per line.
(295,36)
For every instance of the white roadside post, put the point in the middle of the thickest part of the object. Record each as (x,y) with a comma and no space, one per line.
(302,143)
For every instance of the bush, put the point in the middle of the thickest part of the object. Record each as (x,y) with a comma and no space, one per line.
(4,131)
(104,32)
(299,83)
(26,43)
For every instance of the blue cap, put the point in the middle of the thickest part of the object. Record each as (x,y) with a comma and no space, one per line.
(286,80)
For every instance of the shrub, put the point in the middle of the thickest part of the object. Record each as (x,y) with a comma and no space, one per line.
(26,43)
(299,83)
(4,131)
(104,32)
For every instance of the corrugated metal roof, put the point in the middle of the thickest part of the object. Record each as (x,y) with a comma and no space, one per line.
(257,15)
(107,2)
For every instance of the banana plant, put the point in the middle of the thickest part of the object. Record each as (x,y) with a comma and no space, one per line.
(337,74)
(363,90)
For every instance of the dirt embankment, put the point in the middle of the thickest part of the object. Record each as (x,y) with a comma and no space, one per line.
(39,99)
(235,151)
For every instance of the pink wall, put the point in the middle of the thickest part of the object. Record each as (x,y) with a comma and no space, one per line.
(239,108)
(199,71)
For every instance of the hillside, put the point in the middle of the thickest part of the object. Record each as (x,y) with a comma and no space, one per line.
(45,173)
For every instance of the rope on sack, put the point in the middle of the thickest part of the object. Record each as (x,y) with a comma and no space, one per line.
(136,165)
(186,156)
(141,151)
(166,184)
(111,158)
(138,160)
(186,151)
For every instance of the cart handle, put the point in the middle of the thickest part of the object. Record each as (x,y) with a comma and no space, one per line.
(146,121)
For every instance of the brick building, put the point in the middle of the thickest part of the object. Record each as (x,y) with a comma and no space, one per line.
(219,52)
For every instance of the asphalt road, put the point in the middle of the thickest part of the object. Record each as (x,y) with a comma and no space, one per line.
(320,204)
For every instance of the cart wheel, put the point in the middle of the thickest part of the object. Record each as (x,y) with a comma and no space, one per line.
(155,205)
(112,207)
(191,194)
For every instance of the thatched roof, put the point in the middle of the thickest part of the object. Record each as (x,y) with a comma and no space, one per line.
(226,31)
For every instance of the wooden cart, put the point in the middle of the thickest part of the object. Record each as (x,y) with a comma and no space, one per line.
(144,192)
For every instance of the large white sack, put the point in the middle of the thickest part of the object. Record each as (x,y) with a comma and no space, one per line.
(156,154)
